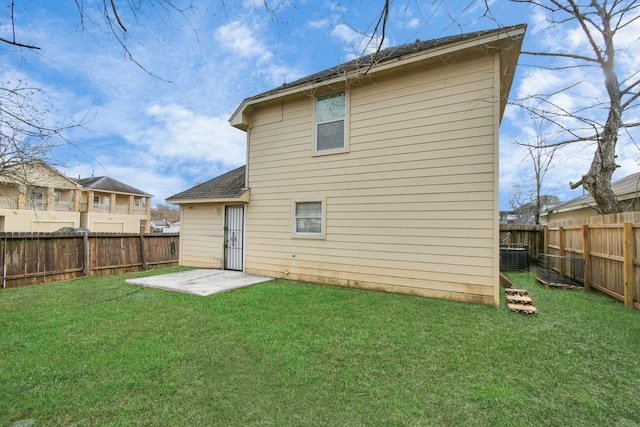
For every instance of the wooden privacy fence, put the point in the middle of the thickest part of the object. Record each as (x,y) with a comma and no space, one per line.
(524,234)
(31,258)
(611,254)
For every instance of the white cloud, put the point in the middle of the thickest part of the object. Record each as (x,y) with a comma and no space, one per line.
(240,39)
(276,75)
(403,17)
(356,43)
(184,135)
(319,24)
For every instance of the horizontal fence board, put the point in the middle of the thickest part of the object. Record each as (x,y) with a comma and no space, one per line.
(34,258)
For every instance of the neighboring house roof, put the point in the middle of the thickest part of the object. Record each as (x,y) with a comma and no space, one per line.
(392,56)
(37,173)
(625,188)
(110,185)
(227,185)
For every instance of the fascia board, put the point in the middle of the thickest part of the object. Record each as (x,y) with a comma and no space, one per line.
(244,198)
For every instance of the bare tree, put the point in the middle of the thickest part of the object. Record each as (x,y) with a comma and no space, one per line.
(161,212)
(597,120)
(25,134)
(541,155)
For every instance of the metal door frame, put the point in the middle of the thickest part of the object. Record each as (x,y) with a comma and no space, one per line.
(234,260)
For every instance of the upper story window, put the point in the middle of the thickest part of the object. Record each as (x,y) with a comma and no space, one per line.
(36,200)
(330,122)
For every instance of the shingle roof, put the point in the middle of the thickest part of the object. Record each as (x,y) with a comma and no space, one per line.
(104,183)
(382,56)
(628,186)
(230,184)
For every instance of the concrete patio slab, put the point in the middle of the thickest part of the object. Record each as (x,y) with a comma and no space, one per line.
(201,282)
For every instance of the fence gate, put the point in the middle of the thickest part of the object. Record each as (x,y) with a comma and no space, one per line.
(233,237)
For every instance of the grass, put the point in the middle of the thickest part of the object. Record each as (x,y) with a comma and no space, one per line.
(96,351)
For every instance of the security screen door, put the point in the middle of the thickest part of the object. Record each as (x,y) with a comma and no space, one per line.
(233,237)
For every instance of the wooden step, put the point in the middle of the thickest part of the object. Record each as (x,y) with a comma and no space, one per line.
(511,291)
(526,309)
(520,299)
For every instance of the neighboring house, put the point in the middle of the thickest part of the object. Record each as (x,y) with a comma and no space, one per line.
(508,217)
(158,225)
(109,205)
(37,198)
(379,176)
(578,210)
(173,228)
(526,214)
(165,226)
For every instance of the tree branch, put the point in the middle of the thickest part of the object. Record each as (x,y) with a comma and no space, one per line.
(115,13)
(15,43)
(561,55)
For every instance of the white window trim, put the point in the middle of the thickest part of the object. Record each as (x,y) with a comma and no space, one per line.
(323,220)
(347,104)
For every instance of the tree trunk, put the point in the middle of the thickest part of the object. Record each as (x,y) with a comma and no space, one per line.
(598,180)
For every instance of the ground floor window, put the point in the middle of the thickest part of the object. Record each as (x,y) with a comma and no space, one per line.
(308,219)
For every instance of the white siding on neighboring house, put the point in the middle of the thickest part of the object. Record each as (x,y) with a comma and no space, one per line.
(411,207)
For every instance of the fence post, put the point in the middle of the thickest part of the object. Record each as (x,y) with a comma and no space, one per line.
(545,242)
(627,254)
(143,253)
(586,248)
(561,250)
(87,255)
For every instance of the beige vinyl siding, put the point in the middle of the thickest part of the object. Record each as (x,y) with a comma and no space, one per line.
(28,220)
(201,235)
(410,208)
(111,222)
(107,227)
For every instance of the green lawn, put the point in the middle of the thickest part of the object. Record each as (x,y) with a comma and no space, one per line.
(97,351)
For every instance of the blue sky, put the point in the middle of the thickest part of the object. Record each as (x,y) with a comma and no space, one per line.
(164,130)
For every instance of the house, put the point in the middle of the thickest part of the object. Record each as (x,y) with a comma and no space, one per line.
(508,217)
(380,173)
(173,228)
(158,225)
(164,226)
(35,197)
(109,205)
(580,209)
(526,214)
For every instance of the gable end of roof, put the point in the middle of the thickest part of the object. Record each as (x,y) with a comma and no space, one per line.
(389,57)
